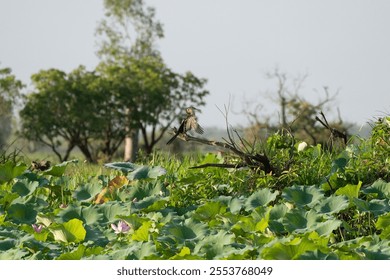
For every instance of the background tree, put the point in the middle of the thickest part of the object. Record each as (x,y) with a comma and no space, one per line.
(296,113)
(305,125)
(9,94)
(153,95)
(73,110)
(163,97)
(43,115)
(129,29)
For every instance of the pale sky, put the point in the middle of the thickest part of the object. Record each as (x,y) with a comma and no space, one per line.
(344,45)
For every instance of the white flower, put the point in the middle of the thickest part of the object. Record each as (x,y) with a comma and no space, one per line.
(302,146)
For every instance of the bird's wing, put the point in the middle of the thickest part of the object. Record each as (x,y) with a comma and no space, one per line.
(199,129)
(192,124)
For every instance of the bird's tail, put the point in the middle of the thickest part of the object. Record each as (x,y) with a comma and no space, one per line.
(171,140)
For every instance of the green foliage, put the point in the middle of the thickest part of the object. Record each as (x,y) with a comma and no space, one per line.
(81,110)
(10,170)
(21,213)
(379,189)
(350,190)
(260,198)
(383,224)
(163,210)
(59,169)
(68,232)
(87,191)
(303,195)
(122,19)
(332,205)
(25,187)
(136,172)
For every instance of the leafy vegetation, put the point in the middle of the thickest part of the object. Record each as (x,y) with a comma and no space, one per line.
(326,205)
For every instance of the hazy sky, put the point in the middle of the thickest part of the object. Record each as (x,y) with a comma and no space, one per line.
(344,45)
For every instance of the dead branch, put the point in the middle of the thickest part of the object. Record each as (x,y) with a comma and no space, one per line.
(253,161)
(247,157)
(222,165)
(334,132)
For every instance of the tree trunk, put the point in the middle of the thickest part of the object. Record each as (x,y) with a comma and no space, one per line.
(128,148)
(283,105)
(87,154)
(131,146)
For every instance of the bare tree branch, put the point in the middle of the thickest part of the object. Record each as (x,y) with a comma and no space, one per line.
(334,132)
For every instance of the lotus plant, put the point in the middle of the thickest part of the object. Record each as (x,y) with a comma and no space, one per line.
(37,228)
(122,227)
(302,146)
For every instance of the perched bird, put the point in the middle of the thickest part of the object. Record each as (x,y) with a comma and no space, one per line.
(189,123)
(41,166)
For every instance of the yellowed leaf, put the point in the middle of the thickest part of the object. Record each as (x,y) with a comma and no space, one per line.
(116,183)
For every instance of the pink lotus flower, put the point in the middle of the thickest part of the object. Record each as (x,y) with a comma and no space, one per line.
(122,227)
(37,228)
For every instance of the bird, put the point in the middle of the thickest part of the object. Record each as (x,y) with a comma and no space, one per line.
(41,165)
(189,123)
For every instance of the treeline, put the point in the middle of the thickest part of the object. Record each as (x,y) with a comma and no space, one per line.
(131,94)
(96,110)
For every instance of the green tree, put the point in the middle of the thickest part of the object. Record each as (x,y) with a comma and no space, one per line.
(9,94)
(129,29)
(73,110)
(152,95)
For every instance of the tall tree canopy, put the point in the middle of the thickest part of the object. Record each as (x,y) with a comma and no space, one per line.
(129,29)
(153,94)
(73,110)
(9,94)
